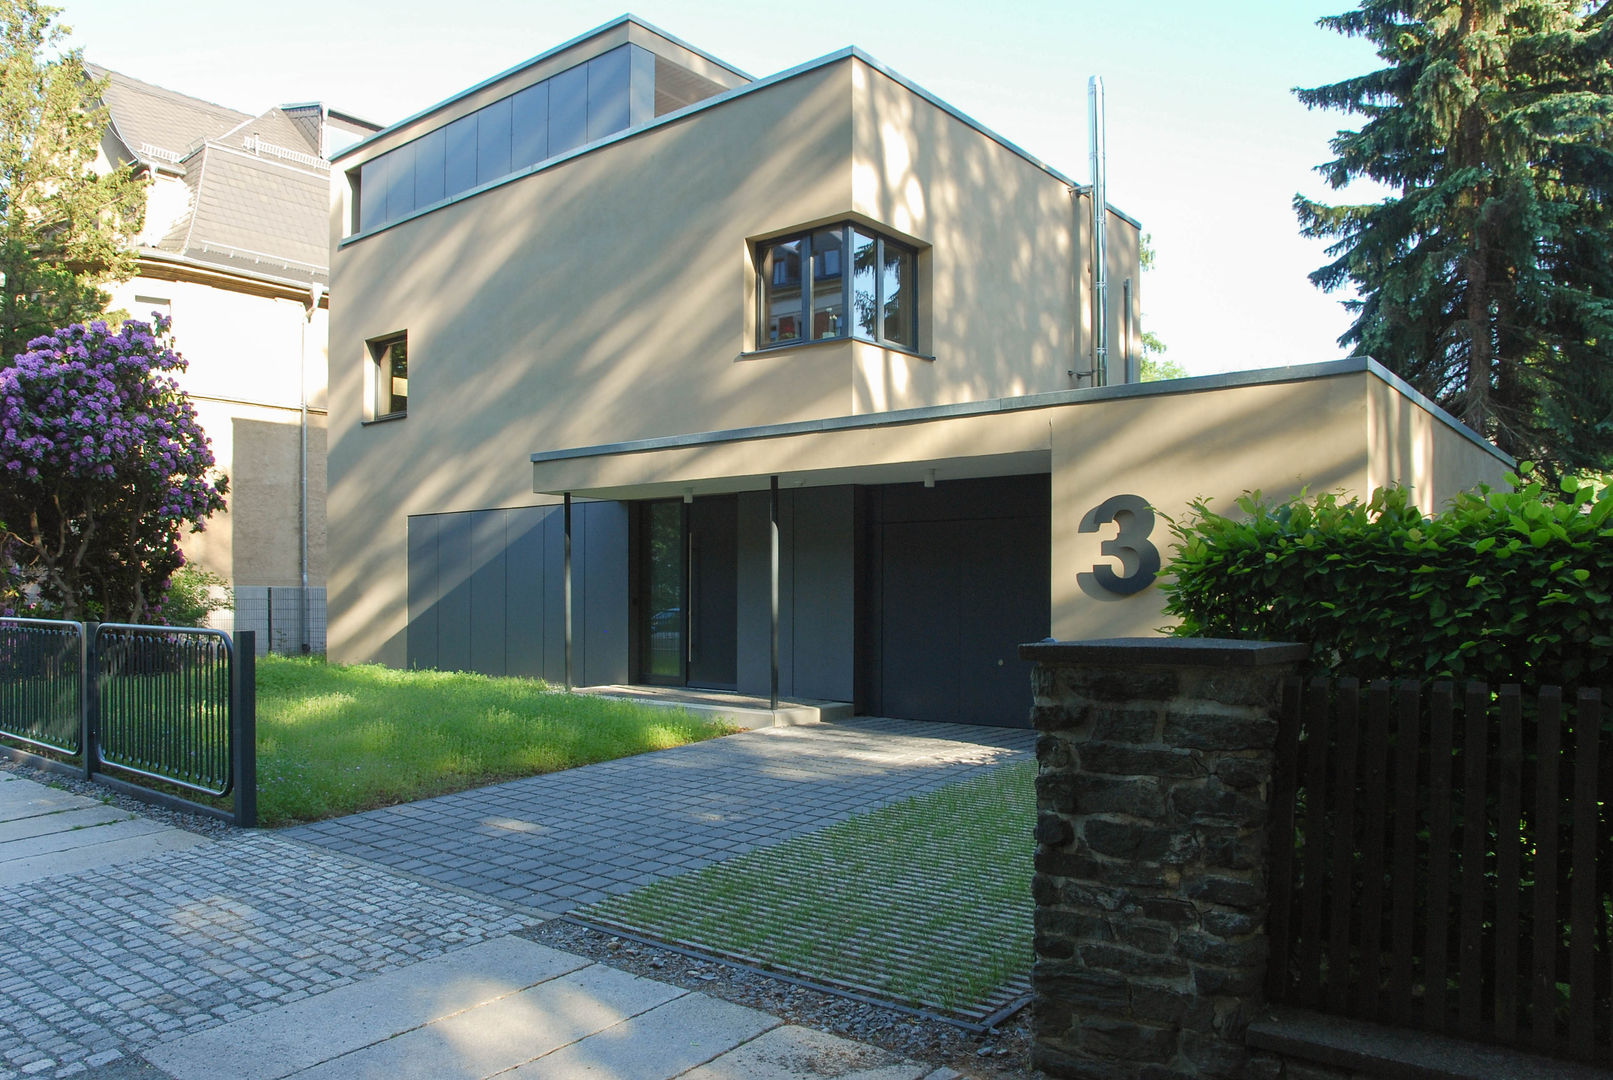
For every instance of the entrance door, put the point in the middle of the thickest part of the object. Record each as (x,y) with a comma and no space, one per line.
(689,592)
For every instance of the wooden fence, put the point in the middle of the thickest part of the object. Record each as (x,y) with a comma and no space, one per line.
(1443,859)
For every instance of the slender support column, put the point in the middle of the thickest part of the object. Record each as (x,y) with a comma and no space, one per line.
(772,535)
(568,591)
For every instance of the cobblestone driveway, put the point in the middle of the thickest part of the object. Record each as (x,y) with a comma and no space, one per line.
(568,839)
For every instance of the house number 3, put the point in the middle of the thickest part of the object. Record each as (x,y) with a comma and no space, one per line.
(1139,558)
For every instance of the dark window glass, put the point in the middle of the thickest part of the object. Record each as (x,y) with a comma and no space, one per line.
(663,588)
(400,182)
(781,295)
(568,110)
(493,141)
(896,295)
(460,154)
(429,166)
(864,283)
(828,285)
(608,99)
(372,187)
(391,360)
(529,126)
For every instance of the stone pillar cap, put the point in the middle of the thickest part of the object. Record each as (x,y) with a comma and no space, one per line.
(1202,652)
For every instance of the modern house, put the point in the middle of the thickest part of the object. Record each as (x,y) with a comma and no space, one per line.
(235,250)
(646,371)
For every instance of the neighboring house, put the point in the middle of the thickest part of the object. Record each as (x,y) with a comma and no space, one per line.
(235,249)
(627,274)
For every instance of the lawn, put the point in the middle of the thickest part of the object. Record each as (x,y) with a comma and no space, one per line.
(335,740)
(927,901)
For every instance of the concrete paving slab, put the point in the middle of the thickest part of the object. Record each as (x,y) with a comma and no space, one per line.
(39,825)
(501,1034)
(20,798)
(664,1042)
(304,1034)
(92,856)
(67,836)
(798,1053)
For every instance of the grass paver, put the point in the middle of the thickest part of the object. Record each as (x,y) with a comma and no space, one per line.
(926,900)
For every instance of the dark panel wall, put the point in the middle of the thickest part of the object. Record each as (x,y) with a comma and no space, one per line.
(816,593)
(487,593)
(958,576)
(822,584)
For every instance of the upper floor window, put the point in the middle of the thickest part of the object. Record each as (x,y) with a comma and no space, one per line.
(856,283)
(389,373)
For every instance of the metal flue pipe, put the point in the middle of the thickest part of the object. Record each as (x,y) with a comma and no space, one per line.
(1100,237)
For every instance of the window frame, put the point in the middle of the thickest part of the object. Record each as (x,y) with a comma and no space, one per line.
(810,282)
(380,368)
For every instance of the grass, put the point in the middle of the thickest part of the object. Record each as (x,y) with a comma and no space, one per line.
(926,900)
(338,739)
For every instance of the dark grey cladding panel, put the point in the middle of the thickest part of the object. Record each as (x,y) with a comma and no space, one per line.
(421,651)
(488,591)
(754,650)
(523,568)
(823,590)
(604,600)
(453,592)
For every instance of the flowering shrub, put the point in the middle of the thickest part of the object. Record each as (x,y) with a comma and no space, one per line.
(102,463)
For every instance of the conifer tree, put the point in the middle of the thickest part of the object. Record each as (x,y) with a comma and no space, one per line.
(1486,279)
(65,228)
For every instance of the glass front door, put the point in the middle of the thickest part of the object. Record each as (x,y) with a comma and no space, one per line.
(689,592)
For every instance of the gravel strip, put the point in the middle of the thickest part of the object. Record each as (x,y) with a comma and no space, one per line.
(1003,1055)
(202,824)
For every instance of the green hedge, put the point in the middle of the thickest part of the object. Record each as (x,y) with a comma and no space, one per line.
(1507,586)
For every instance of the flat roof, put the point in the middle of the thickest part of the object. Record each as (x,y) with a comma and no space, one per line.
(897,417)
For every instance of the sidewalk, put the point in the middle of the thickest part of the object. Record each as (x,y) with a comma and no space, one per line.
(140,952)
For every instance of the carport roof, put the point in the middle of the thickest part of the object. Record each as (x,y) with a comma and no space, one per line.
(883,446)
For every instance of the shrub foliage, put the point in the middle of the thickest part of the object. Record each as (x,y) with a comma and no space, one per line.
(1504,585)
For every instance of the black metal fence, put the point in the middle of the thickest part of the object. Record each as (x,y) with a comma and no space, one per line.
(141,708)
(1443,859)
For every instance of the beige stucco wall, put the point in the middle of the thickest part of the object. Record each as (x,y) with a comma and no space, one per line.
(243,354)
(611,297)
(1340,433)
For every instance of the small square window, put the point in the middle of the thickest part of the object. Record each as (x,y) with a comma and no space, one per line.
(389,370)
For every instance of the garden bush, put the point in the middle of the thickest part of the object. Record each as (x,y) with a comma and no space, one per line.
(1505,585)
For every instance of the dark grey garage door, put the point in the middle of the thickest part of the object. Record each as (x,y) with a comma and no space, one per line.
(958,577)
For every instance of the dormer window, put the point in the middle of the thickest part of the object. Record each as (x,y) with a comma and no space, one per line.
(874,301)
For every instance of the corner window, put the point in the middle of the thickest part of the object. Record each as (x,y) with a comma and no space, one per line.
(389,371)
(860,284)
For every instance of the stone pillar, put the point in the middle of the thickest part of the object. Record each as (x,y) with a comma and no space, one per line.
(1155,766)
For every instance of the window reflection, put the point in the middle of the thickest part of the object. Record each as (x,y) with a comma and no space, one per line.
(461,154)
(529,126)
(896,287)
(493,142)
(852,270)
(828,291)
(864,295)
(607,94)
(781,275)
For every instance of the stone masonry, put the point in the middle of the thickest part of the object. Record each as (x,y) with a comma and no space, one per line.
(1156,759)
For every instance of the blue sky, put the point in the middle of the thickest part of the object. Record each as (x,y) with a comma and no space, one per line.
(1206,144)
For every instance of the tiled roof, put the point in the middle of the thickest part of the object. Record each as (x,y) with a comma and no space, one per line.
(158,124)
(258,212)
